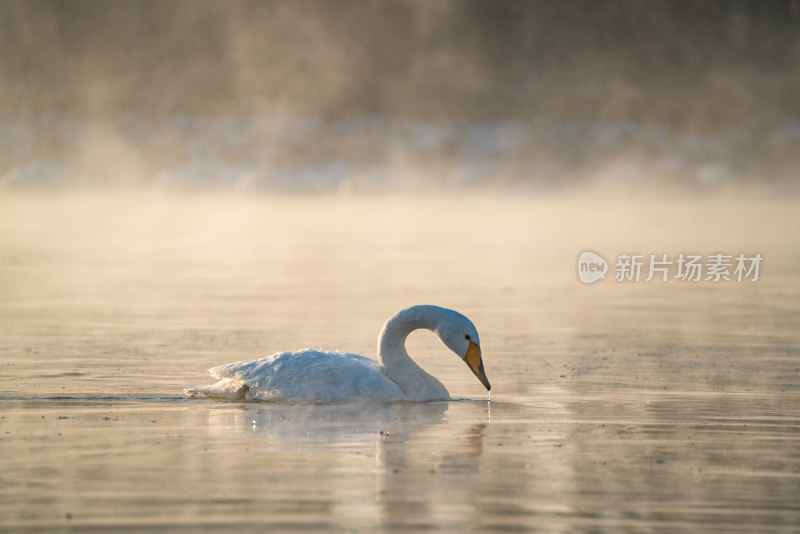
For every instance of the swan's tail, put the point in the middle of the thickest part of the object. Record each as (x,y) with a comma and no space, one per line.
(227,388)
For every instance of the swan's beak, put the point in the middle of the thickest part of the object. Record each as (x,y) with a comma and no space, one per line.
(474,361)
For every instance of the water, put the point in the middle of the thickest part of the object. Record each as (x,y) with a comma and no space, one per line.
(616,407)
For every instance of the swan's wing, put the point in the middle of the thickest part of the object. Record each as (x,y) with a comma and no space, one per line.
(312,376)
(296,364)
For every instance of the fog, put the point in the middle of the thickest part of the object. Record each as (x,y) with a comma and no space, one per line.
(188,183)
(318,96)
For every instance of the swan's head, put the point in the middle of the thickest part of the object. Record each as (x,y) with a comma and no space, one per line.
(459,335)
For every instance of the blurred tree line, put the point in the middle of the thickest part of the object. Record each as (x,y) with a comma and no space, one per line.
(693,63)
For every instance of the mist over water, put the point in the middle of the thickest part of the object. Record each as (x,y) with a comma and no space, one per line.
(380,96)
(619,404)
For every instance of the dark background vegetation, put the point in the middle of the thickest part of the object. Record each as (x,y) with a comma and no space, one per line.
(701,66)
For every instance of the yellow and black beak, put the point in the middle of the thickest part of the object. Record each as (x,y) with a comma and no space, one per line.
(474,361)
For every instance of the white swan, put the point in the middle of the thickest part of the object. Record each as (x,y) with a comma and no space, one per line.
(321,377)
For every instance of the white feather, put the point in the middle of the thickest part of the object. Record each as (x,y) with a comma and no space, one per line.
(315,376)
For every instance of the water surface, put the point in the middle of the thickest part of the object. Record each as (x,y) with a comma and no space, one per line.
(615,407)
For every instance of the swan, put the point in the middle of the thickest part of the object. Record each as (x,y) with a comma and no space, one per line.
(315,376)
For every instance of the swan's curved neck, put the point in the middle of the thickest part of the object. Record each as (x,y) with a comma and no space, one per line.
(392,354)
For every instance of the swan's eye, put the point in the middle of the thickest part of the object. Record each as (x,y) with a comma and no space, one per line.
(466,337)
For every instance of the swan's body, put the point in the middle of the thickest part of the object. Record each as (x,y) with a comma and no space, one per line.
(317,376)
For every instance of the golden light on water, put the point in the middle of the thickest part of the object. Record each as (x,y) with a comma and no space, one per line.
(188,184)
